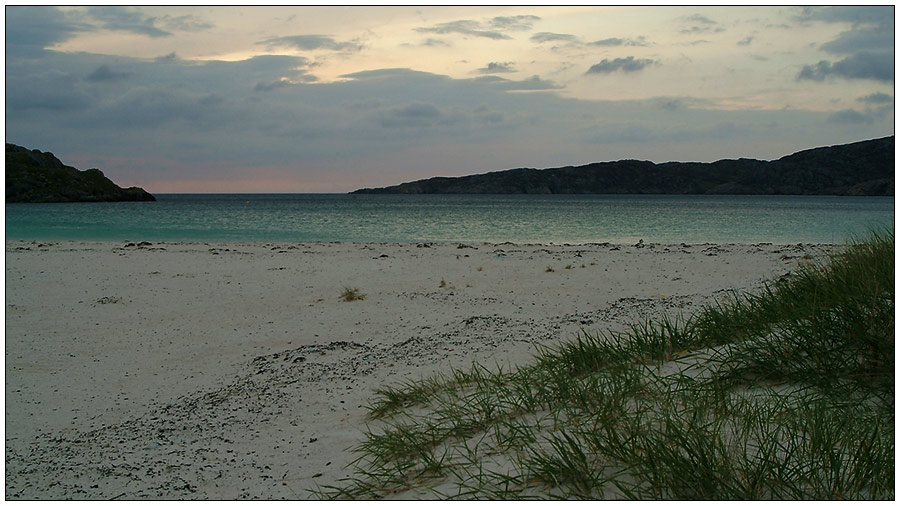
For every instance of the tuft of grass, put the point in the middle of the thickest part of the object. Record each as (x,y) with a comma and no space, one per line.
(785,394)
(549,269)
(352,294)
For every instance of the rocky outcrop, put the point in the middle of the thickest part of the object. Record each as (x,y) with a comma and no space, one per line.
(860,168)
(33,176)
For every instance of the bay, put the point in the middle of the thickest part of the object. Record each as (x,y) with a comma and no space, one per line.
(556,219)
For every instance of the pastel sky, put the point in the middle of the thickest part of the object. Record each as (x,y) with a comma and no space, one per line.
(331,99)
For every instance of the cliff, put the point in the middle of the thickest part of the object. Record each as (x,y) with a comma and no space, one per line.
(33,176)
(860,168)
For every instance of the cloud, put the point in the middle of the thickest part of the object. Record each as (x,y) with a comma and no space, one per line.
(464,27)
(207,121)
(435,43)
(876,66)
(186,23)
(868,45)
(746,41)
(104,74)
(855,14)
(384,74)
(417,111)
(33,28)
(877,37)
(876,98)
(417,115)
(497,68)
(849,117)
(677,103)
(126,19)
(309,43)
(45,89)
(533,83)
(700,19)
(283,82)
(542,37)
(697,23)
(514,23)
(629,64)
(616,41)
(646,133)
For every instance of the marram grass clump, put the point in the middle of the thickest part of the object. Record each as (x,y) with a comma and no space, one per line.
(786,394)
(351,294)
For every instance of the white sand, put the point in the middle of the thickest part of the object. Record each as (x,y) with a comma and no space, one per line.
(234,371)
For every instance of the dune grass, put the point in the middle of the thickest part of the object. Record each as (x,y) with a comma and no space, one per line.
(351,294)
(784,394)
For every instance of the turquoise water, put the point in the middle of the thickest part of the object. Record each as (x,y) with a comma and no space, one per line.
(451,218)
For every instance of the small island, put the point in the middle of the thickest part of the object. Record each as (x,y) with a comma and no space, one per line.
(35,176)
(863,168)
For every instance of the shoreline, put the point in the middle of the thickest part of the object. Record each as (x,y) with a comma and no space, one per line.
(422,243)
(229,370)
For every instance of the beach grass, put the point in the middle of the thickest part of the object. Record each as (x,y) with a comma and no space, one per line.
(352,294)
(784,394)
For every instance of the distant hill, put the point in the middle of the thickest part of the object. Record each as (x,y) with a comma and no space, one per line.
(33,176)
(860,168)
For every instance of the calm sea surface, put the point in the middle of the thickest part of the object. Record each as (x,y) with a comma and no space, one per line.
(451,218)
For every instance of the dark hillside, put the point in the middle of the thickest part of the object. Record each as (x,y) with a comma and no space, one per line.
(33,176)
(861,168)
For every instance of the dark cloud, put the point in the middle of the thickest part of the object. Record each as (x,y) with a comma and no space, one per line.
(465,27)
(553,37)
(187,23)
(856,14)
(126,19)
(309,43)
(105,74)
(849,117)
(416,115)
(876,66)
(638,133)
(514,23)
(45,89)
(492,117)
(417,111)
(31,29)
(877,98)
(616,41)
(629,64)
(533,83)
(876,37)
(745,41)
(497,68)
(212,100)
(868,45)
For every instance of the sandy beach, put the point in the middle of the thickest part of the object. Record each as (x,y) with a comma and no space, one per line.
(236,371)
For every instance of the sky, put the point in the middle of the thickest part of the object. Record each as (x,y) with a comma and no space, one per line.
(331,99)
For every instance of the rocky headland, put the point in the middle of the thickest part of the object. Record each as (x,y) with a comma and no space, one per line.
(35,176)
(860,168)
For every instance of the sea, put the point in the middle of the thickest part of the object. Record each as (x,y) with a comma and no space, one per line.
(521,219)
